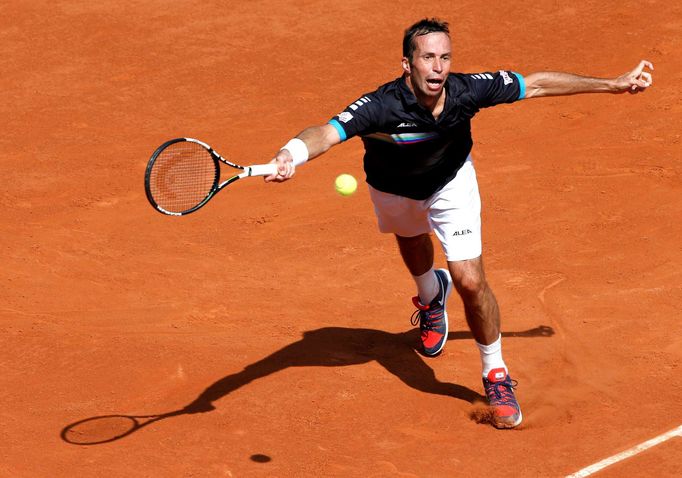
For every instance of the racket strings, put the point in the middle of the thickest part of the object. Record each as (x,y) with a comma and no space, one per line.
(183,176)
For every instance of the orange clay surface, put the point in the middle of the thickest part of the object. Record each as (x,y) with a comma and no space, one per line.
(278,310)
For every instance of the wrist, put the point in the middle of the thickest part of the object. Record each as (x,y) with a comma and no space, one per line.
(613,85)
(298,151)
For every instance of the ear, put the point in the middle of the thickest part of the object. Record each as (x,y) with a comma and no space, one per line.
(406,65)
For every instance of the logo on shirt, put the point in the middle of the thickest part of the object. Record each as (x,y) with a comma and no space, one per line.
(362,101)
(507,78)
(345,117)
(483,76)
(463,232)
(407,125)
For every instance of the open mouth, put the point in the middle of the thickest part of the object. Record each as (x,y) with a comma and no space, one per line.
(434,83)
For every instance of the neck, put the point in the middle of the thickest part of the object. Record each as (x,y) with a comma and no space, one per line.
(433,104)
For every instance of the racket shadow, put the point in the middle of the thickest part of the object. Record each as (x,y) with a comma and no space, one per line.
(325,347)
(108,428)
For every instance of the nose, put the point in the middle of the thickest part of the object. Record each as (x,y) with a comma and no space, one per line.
(438,65)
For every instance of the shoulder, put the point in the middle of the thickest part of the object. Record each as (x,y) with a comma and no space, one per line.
(486,78)
(386,97)
(464,82)
(388,91)
(458,79)
(488,88)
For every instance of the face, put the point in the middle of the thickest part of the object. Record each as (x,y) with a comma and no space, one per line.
(429,66)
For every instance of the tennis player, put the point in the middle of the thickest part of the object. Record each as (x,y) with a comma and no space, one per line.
(416,131)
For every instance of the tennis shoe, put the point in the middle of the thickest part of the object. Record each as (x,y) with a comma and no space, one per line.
(433,318)
(499,388)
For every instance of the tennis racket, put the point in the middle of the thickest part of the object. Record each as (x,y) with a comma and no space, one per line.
(183,174)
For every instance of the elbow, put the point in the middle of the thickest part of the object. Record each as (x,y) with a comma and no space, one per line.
(534,92)
(331,137)
(534,88)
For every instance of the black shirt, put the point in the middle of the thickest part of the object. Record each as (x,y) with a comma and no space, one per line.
(407,151)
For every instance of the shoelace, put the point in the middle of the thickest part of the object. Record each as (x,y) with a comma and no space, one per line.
(503,392)
(430,318)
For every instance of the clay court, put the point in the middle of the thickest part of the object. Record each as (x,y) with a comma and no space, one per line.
(270,330)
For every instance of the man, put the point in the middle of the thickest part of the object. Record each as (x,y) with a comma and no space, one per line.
(417,137)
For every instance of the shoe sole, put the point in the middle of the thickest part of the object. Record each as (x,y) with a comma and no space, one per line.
(448,290)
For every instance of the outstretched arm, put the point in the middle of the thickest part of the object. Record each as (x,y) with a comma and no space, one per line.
(559,84)
(317,140)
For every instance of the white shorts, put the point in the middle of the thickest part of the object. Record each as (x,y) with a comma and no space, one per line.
(453,213)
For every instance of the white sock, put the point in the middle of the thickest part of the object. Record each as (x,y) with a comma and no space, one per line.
(427,286)
(491,356)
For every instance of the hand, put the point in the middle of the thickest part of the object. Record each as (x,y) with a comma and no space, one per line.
(636,80)
(285,167)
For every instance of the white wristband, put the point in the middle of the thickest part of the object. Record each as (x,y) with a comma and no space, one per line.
(298,151)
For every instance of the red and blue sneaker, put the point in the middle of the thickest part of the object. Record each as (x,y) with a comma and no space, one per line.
(499,388)
(433,318)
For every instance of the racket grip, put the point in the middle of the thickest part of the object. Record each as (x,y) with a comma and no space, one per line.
(262,169)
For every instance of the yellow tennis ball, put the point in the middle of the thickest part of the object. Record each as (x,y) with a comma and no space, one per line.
(345,184)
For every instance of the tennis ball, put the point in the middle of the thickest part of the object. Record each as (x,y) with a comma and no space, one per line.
(345,184)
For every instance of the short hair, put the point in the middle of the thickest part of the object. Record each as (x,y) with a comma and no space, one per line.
(422,27)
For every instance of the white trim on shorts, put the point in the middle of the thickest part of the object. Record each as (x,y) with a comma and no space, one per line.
(453,213)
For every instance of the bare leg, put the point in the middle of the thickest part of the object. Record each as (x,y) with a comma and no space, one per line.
(480,306)
(417,253)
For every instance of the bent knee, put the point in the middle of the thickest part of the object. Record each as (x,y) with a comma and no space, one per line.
(470,285)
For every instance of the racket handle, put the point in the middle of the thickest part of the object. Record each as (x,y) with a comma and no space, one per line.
(262,169)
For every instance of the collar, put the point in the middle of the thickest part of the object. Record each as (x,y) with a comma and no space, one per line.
(410,100)
(405,93)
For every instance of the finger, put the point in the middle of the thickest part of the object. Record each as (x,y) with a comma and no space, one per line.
(283,170)
(637,88)
(646,76)
(646,63)
(272,177)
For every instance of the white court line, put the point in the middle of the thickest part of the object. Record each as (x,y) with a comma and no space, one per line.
(627,453)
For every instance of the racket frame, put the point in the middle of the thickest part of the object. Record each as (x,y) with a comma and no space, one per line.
(253,170)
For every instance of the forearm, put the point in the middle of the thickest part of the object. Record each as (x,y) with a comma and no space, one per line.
(318,139)
(308,144)
(549,83)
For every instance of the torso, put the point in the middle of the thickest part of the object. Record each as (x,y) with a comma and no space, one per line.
(413,151)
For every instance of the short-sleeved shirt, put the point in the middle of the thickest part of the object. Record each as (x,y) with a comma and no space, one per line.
(407,151)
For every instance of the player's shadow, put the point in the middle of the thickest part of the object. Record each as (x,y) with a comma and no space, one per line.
(326,347)
(338,347)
